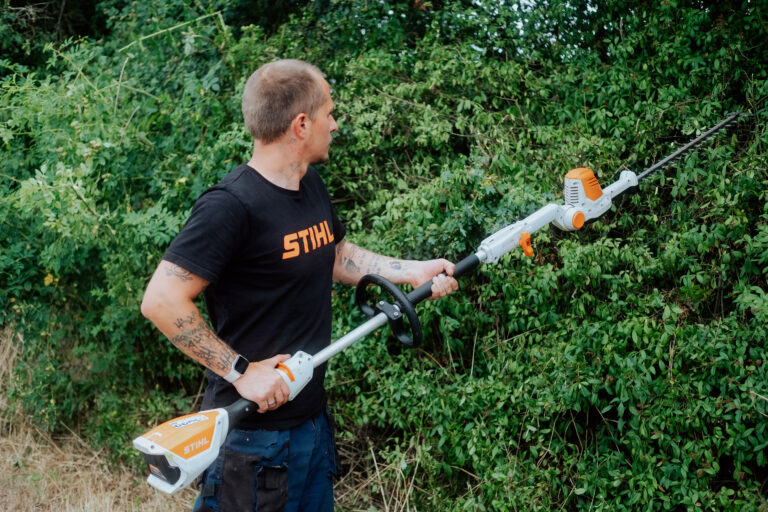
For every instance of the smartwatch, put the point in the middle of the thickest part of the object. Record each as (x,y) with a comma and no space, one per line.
(238,369)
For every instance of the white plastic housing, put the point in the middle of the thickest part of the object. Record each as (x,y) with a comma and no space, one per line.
(297,372)
(626,179)
(190,443)
(576,196)
(507,239)
(566,219)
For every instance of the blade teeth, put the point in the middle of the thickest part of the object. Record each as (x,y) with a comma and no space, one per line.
(732,118)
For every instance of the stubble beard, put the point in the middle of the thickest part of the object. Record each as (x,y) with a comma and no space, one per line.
(323,159)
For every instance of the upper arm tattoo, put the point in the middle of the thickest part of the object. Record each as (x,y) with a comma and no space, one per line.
(339,247)
(347,254)
(177,271)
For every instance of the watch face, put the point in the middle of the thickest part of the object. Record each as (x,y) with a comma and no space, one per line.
(241,364)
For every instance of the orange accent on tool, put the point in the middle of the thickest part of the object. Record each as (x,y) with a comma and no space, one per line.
(588,181)
(185,436)
(525,243)
(578,220)
(287,371)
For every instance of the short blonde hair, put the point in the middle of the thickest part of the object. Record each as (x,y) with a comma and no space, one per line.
(276,93)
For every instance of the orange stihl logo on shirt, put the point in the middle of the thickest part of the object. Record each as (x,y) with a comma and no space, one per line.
(306,240)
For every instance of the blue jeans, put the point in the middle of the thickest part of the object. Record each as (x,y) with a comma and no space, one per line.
(273,470)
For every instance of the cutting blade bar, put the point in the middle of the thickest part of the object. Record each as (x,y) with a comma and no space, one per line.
(691,146)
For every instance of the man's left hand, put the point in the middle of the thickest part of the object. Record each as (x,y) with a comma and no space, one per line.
(439,271)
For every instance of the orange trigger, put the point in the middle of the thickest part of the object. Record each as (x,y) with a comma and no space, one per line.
(287,371)
(525,243)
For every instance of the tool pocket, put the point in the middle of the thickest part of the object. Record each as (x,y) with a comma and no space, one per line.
(271,488)
(236,490)
(254,475)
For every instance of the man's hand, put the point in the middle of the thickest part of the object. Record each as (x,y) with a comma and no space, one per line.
(262,385)
(440,271)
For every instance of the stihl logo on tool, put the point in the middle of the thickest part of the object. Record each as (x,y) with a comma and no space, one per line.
(188,421)
(196,446)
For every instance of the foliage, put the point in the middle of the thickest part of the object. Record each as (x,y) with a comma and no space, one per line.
(622,367)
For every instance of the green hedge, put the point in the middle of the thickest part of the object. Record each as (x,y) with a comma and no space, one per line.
(622,367)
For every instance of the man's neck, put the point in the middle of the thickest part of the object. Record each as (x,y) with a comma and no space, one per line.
(278,165)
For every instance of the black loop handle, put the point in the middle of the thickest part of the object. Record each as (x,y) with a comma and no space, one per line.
(394,314)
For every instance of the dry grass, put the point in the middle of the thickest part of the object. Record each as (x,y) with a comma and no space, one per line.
(40,473)
(371,484)
(63,474)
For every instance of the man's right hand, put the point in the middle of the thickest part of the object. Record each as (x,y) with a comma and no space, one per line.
(264,386)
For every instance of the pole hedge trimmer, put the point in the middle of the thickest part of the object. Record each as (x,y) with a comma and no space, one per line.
(179,450)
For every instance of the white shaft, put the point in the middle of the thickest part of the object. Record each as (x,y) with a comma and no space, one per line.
(348,339)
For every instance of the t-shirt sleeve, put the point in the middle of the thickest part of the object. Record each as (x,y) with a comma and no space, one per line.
(215,229)
(339,229)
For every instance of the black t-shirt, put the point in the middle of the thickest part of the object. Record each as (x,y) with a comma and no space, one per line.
(268,253)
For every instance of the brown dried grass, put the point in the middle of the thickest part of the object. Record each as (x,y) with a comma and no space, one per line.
(372,484)
(40,472)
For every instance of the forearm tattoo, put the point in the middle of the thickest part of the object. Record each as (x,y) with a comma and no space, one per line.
(198,341)
(177,271)
(358,262)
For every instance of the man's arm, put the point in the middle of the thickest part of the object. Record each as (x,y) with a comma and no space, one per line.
(353,262)
(169,304)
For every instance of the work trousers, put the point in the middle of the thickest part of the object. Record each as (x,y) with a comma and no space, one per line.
(273,470)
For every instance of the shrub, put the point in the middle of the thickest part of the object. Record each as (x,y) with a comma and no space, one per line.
(622,366)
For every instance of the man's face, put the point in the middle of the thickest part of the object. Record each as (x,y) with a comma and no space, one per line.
(321,128)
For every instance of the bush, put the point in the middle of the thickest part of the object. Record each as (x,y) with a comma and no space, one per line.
(622,366)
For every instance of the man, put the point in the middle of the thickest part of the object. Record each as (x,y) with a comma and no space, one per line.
(263,245)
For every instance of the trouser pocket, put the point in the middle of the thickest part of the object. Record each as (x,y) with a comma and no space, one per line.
(271,488)
(254,473)
(249,486)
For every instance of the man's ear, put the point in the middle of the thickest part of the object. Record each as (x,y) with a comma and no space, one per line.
(300,126)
